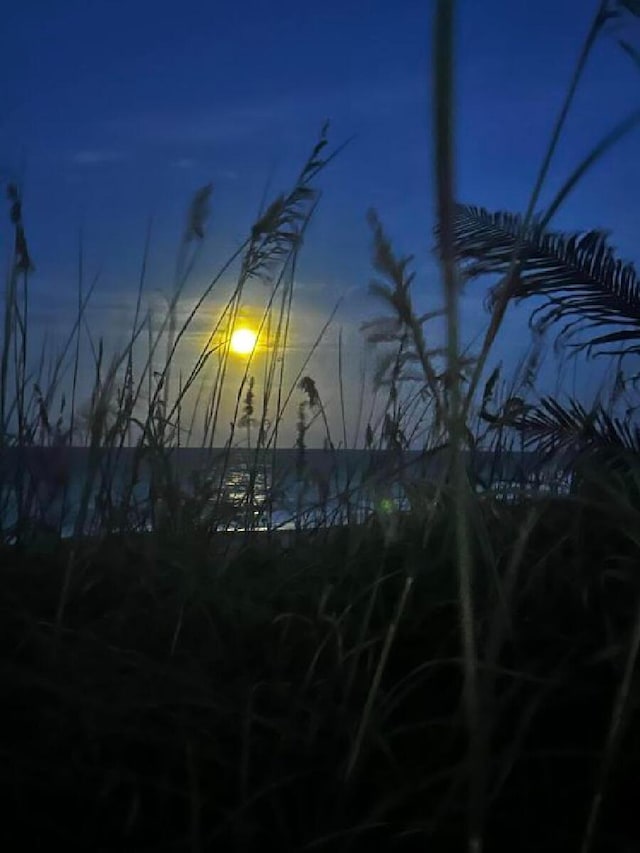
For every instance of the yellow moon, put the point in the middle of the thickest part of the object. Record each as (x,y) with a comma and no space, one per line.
(243,341)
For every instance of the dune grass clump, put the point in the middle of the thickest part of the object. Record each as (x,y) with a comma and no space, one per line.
(310,693)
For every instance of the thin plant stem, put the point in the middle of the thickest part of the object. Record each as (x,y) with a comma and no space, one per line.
(444,100)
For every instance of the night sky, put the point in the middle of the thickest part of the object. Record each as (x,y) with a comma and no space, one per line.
(113,112)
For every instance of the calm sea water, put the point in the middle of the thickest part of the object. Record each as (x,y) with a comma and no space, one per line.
(239,488)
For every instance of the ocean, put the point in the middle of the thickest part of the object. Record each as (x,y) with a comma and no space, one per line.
(74,488)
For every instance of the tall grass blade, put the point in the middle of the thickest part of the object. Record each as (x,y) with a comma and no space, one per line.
(444,101)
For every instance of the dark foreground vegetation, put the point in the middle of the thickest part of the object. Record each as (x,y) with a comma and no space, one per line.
(307,695)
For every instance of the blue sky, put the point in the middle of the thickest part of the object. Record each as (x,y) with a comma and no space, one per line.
(112,112)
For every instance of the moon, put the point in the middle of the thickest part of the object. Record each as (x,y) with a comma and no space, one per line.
(243,341)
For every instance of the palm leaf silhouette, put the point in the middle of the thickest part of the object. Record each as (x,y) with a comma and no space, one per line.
(582,282)
(571,429)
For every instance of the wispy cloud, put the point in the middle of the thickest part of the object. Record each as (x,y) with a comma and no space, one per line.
(225,125)
(236,123)
(95,157)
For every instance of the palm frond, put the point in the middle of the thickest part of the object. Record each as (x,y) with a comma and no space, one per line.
(578,275)
(570,429)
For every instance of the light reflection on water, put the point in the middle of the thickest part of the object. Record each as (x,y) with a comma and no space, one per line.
(234,491)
